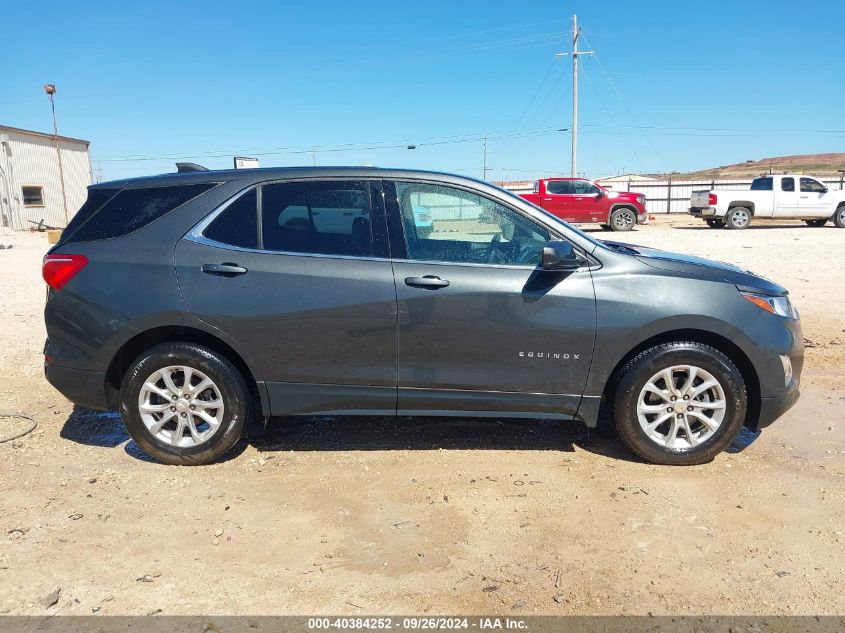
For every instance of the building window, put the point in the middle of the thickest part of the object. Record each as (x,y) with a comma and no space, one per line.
(33,196)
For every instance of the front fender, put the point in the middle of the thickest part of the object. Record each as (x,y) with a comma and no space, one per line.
(633,308)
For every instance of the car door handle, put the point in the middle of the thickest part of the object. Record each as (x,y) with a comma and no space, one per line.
(803,196)
(225,270)
(429,282)
(547,199)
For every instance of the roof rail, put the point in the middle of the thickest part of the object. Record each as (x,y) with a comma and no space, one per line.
(186,167)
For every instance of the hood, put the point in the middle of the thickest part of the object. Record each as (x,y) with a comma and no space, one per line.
(690,265)
(626,195)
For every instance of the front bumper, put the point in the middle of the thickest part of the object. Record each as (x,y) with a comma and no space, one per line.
(772,408)
(767,340)
(85,388)
(703,212)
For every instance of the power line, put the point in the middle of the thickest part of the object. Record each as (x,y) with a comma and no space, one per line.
(458,35)
(625,104)
(537,92)
(727,129)
(628,142)
(396,144)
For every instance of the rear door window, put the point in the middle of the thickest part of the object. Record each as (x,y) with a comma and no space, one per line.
(787,184)
(237,225)
(559,187)
(132,209)
(761,184)
(327,218)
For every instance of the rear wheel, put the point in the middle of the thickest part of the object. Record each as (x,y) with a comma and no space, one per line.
(839,217)
(715,223)
(679,403)
(184,404)
(816,223)
(623,219)
(738,218)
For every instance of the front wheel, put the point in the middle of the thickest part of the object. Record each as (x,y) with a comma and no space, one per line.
(715,223)
(738,218)
(816,223)
(679,403)
(839,217)
(623,219)
(184,404)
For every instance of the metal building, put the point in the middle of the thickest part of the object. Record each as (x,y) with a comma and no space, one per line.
(31,182)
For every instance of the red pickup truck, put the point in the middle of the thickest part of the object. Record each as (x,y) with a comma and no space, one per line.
(579,200)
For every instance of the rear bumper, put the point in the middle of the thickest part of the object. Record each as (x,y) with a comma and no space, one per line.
(85,388)
(703,212)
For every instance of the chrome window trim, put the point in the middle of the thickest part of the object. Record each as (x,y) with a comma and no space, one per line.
(196,235)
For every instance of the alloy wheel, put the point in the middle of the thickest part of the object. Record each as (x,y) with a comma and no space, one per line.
(681,407)
(181,406)
(739,218)
(624,220)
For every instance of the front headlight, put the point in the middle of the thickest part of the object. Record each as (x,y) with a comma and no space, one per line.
(781,305)
(641,199)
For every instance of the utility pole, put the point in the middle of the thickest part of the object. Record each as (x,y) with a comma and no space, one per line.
(576,32)
(485,157)
(50,89)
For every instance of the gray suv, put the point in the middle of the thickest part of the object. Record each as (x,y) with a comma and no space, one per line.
(193,301)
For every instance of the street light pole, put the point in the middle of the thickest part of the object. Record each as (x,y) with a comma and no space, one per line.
(50,89)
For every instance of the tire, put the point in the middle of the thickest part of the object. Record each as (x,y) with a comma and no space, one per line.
(622,219)
(636,409)
(839,217)
(164,363)
(738,218)
(816,223)
(715,223)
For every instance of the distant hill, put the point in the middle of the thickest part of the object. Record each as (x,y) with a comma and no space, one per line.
(815,164)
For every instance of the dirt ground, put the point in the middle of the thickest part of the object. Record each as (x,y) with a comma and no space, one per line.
(438,516)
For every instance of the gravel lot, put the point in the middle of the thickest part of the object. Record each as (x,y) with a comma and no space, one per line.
(371,516)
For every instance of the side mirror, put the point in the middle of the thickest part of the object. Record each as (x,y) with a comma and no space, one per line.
(600,195)
(559,255)
(824,189)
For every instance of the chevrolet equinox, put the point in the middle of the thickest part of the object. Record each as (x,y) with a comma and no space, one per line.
(192,301)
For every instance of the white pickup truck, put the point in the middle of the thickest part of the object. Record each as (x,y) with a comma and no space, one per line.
(773,197)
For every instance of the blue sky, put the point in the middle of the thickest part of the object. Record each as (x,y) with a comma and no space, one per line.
(675,85)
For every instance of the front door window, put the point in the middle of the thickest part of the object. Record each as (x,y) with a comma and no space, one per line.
(451,225)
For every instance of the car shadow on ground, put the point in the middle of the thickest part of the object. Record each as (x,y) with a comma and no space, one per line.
(753,227)
(339,433)
(323,433)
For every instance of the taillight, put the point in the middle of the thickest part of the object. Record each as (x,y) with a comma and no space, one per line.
(711,199)
(58,269)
